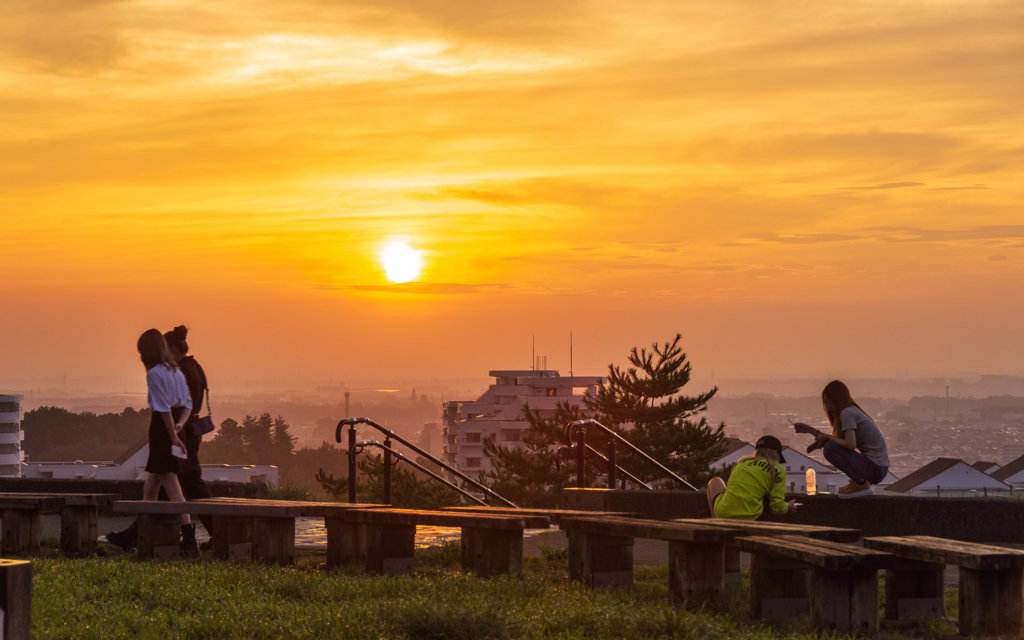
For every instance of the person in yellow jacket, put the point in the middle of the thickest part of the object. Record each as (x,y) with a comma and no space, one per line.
(753,479)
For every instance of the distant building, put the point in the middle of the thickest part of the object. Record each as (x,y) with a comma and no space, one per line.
(498,413)
(946,474)
(1012,473)
(985,466)
(11,436)
(131,465)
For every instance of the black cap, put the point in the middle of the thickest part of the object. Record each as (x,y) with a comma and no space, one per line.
(770,442)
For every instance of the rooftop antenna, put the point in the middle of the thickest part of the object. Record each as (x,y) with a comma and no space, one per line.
(533,353)
(570,353)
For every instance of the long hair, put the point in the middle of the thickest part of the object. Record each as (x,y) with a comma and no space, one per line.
(153,349)
(838,395)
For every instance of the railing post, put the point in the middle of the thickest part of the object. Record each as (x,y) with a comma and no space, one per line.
(387,471)
(611,463)
(352,464)
(581,459)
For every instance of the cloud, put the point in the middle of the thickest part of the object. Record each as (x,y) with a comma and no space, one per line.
(417,288)
(803,238)
(915,234)
(998,258)
(888,185)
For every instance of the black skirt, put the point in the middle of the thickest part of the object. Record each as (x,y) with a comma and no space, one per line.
(160,458)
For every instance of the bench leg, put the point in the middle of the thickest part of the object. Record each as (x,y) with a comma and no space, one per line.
(78,529)
(778,588)
(16,599)
(696,572)
(991,602)
(599,560)
(915,590)
(159,536)
(492,552)
(273,540)
(390,548)
(346,542)
(20,530)
(733,572)
(232,537)
(845,601)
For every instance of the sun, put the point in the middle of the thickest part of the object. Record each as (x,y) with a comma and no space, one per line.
(401,263)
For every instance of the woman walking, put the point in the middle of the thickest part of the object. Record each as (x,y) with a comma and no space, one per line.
(171,403)
(856,446)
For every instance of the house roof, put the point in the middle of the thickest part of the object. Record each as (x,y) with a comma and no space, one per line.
(1009,470)
(790,451)
(983,465)
(132,450)
(924,474)
(733,445)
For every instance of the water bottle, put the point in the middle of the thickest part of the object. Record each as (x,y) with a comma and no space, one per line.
(812,482)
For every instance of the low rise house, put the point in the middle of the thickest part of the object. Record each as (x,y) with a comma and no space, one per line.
(985,466)
(944,475)
(1012,473)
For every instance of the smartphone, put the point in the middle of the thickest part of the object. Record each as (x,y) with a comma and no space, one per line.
(178,452)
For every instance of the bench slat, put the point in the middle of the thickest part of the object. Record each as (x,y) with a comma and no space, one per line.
(649,529)
(31,502)
(306,509)
(826,555)
(555,515)
(444,519)
(208,509)
(834,534)
(69,499)
(963,554)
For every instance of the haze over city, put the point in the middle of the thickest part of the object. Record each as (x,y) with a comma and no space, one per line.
(801,190)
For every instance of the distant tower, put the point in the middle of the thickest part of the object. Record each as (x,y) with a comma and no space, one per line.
(11,436)
(347,413)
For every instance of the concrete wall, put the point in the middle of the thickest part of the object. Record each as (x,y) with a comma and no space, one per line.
(127,489)
(969,519)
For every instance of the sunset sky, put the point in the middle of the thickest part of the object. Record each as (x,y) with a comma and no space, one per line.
(796,187)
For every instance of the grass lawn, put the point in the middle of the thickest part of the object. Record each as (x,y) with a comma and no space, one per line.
(116,596)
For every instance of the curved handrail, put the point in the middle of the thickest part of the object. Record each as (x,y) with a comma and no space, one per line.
(591,421)
(352,422)
(597,454)
(398,454)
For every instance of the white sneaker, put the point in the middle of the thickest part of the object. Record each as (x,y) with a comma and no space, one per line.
(854,490)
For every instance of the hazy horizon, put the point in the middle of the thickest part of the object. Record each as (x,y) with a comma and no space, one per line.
(801,190)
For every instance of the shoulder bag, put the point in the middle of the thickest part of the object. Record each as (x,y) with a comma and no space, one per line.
(204,425)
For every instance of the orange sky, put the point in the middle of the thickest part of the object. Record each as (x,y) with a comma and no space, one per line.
(796,187)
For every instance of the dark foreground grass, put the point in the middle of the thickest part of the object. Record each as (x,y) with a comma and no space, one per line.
(118,597)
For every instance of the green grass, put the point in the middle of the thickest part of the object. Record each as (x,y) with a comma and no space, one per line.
(119,597)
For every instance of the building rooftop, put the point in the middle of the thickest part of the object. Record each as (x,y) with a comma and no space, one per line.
(924,474)
(1011,469)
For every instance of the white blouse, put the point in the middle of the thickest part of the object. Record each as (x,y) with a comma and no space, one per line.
(167,388)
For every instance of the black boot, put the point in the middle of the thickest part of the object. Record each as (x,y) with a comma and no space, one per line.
(208,525)
(189,546)
(127,539)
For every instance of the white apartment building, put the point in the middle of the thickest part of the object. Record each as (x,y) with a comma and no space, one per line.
(498,413)
(11,436)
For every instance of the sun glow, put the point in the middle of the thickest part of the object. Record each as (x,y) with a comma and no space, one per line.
(401,263)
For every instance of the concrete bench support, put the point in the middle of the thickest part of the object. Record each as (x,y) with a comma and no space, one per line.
(845,601)
(232,537)
(21,531)
(390,548)
(778,588)
(159,536)
(915,590)
(16,599)
(490,552)
(695,571)
(78,529)
(346,542)
(273,540)
(600,560)
(733,572)
(991,602)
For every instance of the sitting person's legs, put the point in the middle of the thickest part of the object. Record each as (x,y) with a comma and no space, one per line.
(857,466)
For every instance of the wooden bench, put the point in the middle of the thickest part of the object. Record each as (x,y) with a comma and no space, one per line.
(991,595)
(601,552)
(383,540)
(554,515)
(843,581)
(78,519)
(15,599)
(731,555)
(261,530)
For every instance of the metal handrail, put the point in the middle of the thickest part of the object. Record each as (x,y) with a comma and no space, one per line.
(352,422)
(597,454)
(582,424)
(373,443)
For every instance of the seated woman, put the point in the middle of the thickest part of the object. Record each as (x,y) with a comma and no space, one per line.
(753,479)
(852,429)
